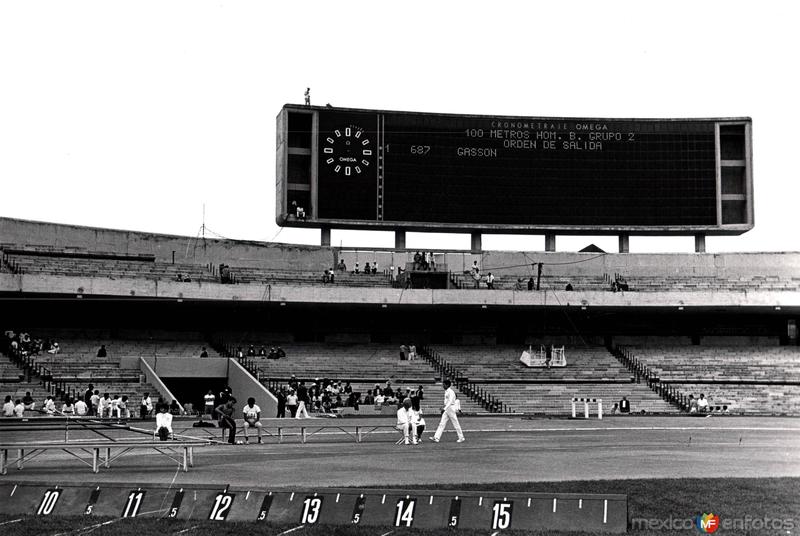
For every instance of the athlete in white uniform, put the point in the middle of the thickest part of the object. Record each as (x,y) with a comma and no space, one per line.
(252,418)
(449,412)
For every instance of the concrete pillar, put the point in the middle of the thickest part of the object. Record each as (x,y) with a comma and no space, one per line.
(399,239)
(477,247)
(549,242)
(624,243)
(700,243)
(325,236)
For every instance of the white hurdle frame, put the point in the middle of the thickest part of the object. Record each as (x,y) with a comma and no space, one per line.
(586,402)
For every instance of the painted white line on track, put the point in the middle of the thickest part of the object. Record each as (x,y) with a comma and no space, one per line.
(11,521)
(387,533)
(186,530)
(291,530)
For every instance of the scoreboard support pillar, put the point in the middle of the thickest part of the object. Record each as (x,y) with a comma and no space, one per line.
(700,243)
(325,236)
(549,242)
(624,243)
(476,245)
(399,239)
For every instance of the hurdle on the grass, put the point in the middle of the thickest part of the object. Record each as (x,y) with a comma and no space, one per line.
(586,402)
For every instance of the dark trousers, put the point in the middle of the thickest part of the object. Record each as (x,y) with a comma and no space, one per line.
(292,410)
(281,411)
(230,424)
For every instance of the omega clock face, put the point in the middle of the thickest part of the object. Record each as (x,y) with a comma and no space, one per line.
(347,150)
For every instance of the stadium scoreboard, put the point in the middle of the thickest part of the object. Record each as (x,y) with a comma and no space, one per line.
(353,168)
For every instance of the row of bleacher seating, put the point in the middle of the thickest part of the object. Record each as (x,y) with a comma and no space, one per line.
(747,379)
(641,283)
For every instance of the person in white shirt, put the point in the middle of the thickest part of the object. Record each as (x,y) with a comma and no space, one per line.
(115,402)
(8,407)
(449,411)
(67,408)
(50,406)
(104,407)
(702,403)
(95,399)
(252,418)
(164,422)
(146,406)
(81,408)
(19,409)
(405,422)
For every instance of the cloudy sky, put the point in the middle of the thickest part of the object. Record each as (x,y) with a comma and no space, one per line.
(134,115)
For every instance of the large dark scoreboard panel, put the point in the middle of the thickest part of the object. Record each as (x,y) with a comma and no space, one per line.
(481,171)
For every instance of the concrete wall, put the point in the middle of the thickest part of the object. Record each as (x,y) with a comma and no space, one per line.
(51,284)
(185,248)
(244,386)
(176,367)
(289,257)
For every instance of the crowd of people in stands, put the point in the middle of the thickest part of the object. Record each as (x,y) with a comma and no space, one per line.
(424,261)
(21,344)
(273,353)
(701,406)
(325,396)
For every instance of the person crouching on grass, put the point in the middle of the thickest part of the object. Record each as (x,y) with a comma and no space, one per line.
(252,418)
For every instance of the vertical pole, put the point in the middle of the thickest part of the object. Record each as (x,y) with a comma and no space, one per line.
(95,459)
(600,410)
(573,408)
(585,409)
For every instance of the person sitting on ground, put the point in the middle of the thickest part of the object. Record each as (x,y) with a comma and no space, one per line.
(50,406)
(702,404)
(8,407)
(252,418)
(225,413)
(102,351)
(163,423)
(624,405)
(405,422)
(28,402)
(67,408)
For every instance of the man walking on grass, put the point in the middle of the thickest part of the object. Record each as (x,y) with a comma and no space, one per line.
(449,412)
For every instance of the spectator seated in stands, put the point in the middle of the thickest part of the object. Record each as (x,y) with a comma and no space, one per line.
(252,418)
(273,354)
(624,405)
(204,352)
(326,278)
(164,423)
(262,352)
(122,408)
(374,267)
(67,408)
(692,404)
(568,288)
(702,404)
(342,267)
(367,269)
(519,285)
(281,353)
(8,407)
(54,348)
(81,409)
(619,283)
(226,421)
(251,351)
(531,284)
(356,269)
(379,400)
(104,406)
(615,409)
(28,402)
(299,212)
(102,351)
(50,406)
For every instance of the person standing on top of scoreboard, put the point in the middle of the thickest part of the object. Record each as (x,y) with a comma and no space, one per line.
(449,411)
(252,418)
(307,96)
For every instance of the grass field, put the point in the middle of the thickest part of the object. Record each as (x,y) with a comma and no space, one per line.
(656,506)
